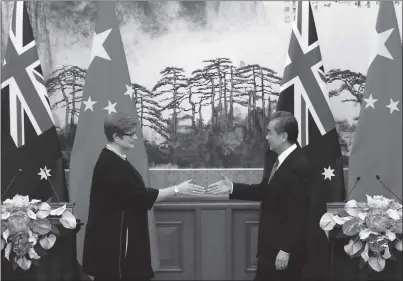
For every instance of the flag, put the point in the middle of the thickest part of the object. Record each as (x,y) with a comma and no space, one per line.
(377,149)
(107,89)
(31,159)
(304,93)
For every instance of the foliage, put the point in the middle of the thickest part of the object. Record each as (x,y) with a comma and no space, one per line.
(205,142)
(352,82)
(24,223)
(374,228)
(188,138)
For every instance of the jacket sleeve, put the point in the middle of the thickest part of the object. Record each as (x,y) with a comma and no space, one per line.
(124,188)
(297,209)
(254,192)
(249,192)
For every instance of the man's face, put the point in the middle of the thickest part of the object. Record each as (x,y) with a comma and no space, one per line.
(275,140)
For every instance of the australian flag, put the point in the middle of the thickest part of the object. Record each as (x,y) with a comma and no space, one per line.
(304,93)
(31,159)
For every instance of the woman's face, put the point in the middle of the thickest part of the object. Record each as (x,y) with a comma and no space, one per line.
(128,140)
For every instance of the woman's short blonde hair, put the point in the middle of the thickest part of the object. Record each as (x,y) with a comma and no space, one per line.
(118,123)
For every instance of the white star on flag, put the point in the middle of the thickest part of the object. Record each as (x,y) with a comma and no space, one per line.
(111,107)
(393,106)
(129,91)
(89,104)
(370,101)
(98,49)
(328,173)
(44,173)
(380,46)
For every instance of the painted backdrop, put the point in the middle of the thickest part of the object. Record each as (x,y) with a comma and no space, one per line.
(205,74)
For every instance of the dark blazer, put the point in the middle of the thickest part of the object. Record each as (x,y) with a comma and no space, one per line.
(284,206)
(119,201)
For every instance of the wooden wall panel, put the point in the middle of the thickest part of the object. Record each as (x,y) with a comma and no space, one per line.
(244,245)
(176,242)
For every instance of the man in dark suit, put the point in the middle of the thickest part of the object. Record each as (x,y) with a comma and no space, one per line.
(283,193)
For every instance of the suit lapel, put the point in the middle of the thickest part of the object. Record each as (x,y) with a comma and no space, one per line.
(284,166)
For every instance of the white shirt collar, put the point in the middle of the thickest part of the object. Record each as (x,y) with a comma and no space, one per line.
(285,154)
(123,156)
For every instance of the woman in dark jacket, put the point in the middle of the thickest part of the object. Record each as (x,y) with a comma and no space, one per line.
(117,244)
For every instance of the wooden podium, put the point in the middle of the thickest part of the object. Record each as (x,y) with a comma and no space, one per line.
(60,263)
(345,268)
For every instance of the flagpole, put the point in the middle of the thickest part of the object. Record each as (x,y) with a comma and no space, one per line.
(58,200)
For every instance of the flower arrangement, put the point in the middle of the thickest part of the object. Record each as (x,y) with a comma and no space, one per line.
(24,223)
(375,227)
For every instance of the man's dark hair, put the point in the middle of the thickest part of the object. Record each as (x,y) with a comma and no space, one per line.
(286,123)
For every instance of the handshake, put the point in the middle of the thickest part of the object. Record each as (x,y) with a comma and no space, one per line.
(223,186)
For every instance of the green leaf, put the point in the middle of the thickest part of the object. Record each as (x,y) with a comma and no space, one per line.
(41,226)
(377,264)
(48,242)
(342,213)
(327,222)
(358,254)
(350,227)
(55,230)
(39,250)
(340,234)
(353,247)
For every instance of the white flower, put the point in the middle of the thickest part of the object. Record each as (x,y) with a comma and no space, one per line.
(43,210)
(362,216)
(351,208)
(20,201)
(32,254)
(387,254)
(377,263)
(340,220)
(5,215)
(68,220)
(391,235)
(364,234)
(364,254)
(393,214)
(353,247)
(378,202)
(24,263)
(48,242)
(326,222)
(58,211)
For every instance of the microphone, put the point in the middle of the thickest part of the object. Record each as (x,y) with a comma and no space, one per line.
(380,180)
(19,171)
(355,184)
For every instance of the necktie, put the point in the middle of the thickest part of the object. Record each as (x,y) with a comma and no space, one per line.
(274,169)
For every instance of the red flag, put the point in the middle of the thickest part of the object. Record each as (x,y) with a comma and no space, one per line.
(107,89)
(377,149)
